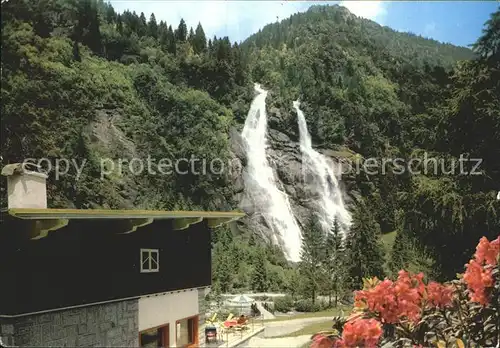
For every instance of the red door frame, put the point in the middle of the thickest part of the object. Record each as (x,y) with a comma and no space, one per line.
(196,320)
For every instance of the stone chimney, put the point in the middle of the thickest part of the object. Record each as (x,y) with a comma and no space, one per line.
(26,186)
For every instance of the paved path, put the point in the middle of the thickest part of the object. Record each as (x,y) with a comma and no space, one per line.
(285,327)
(264,312)
(285,342)
(279,328)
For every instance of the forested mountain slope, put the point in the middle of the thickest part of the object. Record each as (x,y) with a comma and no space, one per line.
(84,83)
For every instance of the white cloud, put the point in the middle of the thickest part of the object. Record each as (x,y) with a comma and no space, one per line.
(374,10)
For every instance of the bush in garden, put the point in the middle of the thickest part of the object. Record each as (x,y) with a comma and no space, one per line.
(283,304)
(410,312)
(255,310)
(268,307)
(306,305)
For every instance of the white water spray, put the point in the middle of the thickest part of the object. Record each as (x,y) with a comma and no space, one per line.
(260,184)
(320,176)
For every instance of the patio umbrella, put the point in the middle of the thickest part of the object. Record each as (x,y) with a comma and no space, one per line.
(241,301)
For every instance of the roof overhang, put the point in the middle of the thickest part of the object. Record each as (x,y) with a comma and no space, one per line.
(42,221)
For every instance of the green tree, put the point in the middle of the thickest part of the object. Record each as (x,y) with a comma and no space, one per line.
(163,35)
(153,26)
(119,24)
(364,252)
(88,27)
(110,14)
(260,278)
(172,46)
(199,40)
(182,31)
(334,263)
(142,25)
(312,257)
(222,270)
(488,45)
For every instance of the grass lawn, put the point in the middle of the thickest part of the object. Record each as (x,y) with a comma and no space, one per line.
(311,329)
(332,312)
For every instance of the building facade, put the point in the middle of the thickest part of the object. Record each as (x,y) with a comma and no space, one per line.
(101,277)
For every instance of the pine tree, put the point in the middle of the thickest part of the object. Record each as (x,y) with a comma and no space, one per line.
(153,26)
(222,272)
(163,35)
(181,32)
(110,14)
(364,252)
(200,40)
(191,37)
(172,46)
(260,280)
(119,24)
(87,29)
(334,263)
(312,258)
(142,29)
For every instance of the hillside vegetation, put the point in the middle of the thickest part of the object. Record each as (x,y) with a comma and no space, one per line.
(82,82)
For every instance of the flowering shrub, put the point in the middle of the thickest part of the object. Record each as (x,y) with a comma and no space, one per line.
(409,312)
(479,271)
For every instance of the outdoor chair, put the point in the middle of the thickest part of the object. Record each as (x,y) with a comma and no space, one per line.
(212,319)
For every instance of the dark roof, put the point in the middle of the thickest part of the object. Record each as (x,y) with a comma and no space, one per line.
(53,219)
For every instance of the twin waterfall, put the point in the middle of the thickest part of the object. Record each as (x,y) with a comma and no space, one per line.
(320,176)
(260,183)
(261,186)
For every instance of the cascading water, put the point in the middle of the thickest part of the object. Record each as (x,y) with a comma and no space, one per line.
(260,184)
(321,178)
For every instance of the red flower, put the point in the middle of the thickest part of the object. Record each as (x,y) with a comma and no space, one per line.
(393,301)
(487,252)
(361,332)
(439,295)
(477,277)
(321,341)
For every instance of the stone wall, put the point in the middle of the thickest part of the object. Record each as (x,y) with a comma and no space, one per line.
(111,324)
(202,305)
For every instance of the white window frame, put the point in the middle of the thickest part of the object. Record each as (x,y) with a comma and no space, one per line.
(149,268)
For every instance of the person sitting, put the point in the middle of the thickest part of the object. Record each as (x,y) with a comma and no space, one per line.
(242,320)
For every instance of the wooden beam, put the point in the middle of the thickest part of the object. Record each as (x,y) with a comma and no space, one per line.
(41,228)
(182,224)
(134,224)
(216,222)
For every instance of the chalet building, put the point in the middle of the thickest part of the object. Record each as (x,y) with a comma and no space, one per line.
(125,278)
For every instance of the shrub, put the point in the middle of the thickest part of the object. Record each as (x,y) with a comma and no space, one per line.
(283,304)
(261,298)
(306,305)
(323,305)
(268,307)
(255,310)
(409,312)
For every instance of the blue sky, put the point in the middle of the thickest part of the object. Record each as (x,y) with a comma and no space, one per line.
(456,22)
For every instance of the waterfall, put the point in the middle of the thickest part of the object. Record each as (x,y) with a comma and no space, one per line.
(260,184)
(321,178)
